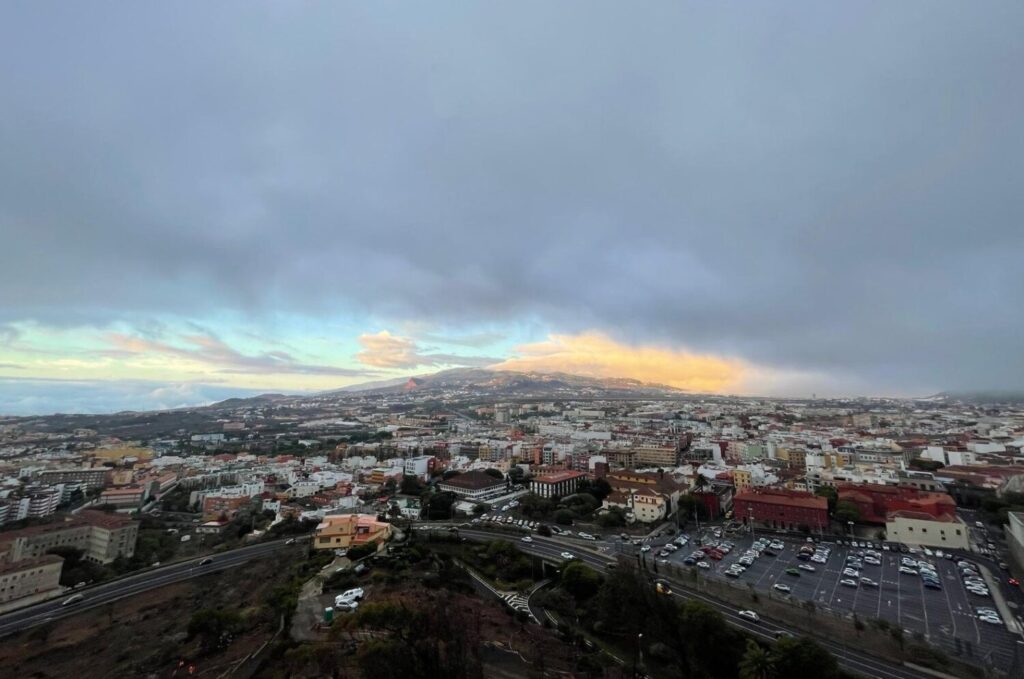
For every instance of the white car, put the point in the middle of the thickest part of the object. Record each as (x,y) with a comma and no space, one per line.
(645,548)
(703,564)
(568,556)
(907,570)
(806,567)
(750,615)
(526,538)
(869,582)
(851,573)
(782,588)
(991,619)
(848,582)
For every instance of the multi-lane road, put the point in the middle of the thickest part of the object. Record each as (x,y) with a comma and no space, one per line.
(548,548)
(850,659)
(113,590)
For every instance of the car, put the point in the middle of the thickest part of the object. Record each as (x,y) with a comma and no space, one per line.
(290,541)
(664,553)
(662,587)
(703,564)
(645,549)
(848,582)
(732,573)
(205,562)
(940,554)
(793,571)
(670,547)
(689,561)
(568,556)
(932,584)
(928,552)
(851,573)
(353,594)
(782,588)
(869,582)
(807,567)
(1013,582)
(906,570)
(73,599)
(991,619)
(750,615)
(871,561)
(526,538)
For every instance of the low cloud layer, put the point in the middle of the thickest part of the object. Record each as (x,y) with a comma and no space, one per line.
(384,350)
(599,356)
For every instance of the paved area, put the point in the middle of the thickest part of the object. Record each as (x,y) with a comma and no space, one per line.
(945,618)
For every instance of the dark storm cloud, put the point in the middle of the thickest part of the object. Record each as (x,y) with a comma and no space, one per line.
(812,186)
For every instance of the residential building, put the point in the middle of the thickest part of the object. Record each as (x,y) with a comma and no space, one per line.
(92,477)
(348,530)
(420,466)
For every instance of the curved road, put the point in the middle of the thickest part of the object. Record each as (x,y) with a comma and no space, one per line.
(107,592)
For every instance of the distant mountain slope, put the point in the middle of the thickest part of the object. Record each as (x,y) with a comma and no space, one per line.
(505,381)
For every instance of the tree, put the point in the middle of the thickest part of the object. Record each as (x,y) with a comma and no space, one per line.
(615,517)
(580,580)
(847,511)
(481,509)
(496,473)
(563,517)
(411,485)
(802,657)
(516,475)
(214,627)
(757,662)
(831,494)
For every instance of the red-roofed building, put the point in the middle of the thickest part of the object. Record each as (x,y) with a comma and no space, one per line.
(349,530)
(876,501)
(783,509)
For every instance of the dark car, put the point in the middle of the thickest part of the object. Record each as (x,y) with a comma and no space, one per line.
(206,561)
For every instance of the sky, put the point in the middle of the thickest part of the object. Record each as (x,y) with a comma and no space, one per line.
(200,200)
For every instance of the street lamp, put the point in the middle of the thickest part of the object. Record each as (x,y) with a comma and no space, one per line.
(750,511)
(639,651)
(849,527)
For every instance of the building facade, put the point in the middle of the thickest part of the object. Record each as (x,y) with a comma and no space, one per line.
(918,528)
(343,531)
(782,509)
(29,580)
(557,484)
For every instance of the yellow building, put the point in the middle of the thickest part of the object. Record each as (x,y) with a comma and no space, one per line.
(349,530)
(742,479)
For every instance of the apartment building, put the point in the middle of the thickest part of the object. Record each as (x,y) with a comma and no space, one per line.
(29,580)
(101,536)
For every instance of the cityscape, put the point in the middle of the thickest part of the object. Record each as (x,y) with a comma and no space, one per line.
(536,340)
(896,525)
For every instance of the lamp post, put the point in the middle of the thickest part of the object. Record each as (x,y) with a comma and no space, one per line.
(849,527)
(750,511)
(639,652)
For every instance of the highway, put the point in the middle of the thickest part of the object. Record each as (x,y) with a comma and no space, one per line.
(849,659)
(107,592)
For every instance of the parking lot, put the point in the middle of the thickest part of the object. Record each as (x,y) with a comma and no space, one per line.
(945,617)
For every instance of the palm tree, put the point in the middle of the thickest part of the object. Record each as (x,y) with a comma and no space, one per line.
(756,662)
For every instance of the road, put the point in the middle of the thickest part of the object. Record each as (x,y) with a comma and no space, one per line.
(107,592)
(849,659)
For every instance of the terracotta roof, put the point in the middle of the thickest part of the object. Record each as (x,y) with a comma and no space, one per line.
(788,499)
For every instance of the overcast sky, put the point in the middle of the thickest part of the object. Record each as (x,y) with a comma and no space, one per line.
(775,199)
